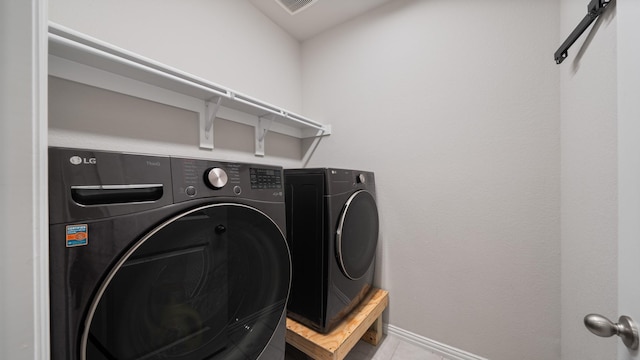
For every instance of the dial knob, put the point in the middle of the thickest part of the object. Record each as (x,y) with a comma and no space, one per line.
(361,179)
(215,178)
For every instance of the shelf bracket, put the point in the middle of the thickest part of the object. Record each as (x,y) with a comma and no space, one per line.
(264,123)
(594,9)
(206,122)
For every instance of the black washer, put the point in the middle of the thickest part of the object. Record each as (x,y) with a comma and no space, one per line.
(147,262)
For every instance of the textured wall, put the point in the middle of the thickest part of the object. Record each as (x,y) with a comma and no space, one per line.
(225,41)
(82,116)
(455,105)
(228,42)
(589,182)
(628,58)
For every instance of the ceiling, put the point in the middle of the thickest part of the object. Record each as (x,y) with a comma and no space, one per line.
(318,17)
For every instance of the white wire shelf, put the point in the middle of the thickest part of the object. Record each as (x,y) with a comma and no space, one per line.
(80,58)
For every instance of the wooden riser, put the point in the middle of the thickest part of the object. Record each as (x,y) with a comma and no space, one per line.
(364,322)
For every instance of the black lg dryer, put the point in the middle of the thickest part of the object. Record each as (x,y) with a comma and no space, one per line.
(332,230)
(155,257)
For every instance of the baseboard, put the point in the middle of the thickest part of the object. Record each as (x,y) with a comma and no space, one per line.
(436,347)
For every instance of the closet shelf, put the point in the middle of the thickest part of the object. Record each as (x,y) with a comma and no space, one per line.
(78,57)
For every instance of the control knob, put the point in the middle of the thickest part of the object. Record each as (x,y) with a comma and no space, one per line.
(215,178)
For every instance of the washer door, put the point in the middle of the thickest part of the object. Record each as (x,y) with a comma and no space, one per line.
(211,283)
(357,234)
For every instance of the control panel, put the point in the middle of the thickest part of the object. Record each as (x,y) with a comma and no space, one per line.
(196,178)
(265,178)
(342,180)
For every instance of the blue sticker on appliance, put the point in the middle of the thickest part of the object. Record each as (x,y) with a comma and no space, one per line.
(77,235)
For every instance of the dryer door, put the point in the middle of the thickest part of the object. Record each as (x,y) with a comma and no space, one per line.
(211,283)
(357,234)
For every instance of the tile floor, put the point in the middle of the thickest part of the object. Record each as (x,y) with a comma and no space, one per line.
(390,348)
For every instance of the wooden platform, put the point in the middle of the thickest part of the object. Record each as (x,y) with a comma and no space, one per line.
(364,322)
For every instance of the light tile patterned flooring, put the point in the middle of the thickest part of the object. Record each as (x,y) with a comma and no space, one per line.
(391,348)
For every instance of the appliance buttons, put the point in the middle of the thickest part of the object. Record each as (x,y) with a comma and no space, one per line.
(190,191)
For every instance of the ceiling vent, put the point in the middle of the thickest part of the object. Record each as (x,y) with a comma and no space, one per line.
(295,6)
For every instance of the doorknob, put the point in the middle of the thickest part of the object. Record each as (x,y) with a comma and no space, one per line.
(625,328)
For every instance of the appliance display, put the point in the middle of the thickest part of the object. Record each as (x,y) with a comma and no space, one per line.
(156,257)
(332,230)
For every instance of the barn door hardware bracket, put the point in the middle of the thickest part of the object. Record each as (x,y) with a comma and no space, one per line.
(264,123)
(594,9)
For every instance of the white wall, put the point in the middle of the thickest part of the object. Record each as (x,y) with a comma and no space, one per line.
(23,229)
(628,56)
(455,105)
(589,182)
(82,116)
(228,42)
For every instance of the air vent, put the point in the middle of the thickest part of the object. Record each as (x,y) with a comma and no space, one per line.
(295,6)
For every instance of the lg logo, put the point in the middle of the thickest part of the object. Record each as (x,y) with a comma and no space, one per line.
(77,160)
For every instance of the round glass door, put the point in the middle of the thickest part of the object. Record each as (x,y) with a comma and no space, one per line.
(357,234)
(211,283)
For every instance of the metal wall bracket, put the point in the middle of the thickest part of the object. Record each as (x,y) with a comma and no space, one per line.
(594,9)
(206,122)
(264,123)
